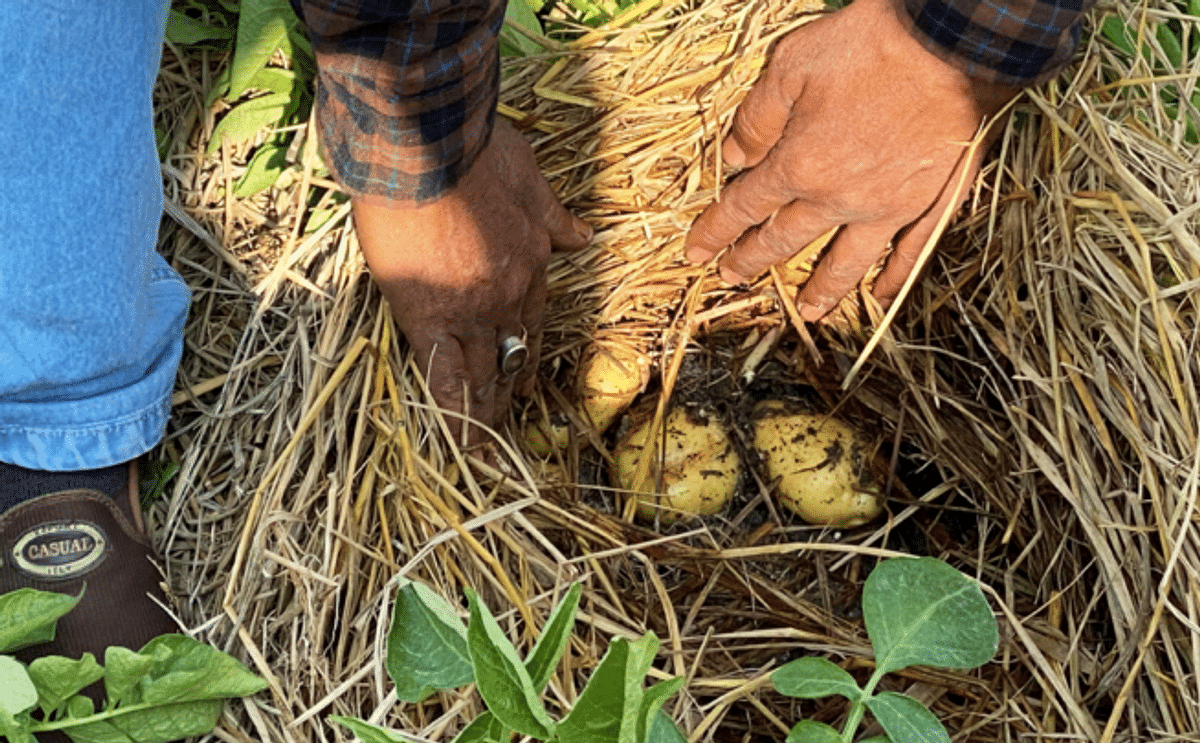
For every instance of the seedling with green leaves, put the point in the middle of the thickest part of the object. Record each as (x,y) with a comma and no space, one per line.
(918,611)
(429,650)
(172,688)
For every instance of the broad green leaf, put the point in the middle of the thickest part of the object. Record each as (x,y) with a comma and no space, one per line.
(513,43)
(144,723)
(810,731)
(813,678)
(276,80)
(483,729)
(27,616)
(123,669)
(652,702)
(17,692)
(426,645)
(188,670)
(607,710)
(663,730)
(501,678)
(262,30)
(184,30)
(12,729)
(922,611)
(249,118)
(905,719)
(58,679)
(368,733)
(174,668)
(550,646)
(263,170)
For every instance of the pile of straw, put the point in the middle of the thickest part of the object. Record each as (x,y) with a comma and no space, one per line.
(1038,392)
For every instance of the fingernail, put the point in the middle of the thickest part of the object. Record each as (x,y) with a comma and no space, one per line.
(584,230)
(731,277)
(696,255)
(734,157)
(810,312)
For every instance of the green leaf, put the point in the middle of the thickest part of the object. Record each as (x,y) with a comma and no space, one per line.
(185,30)
(249,118)
(812,678)
(145,724)
(876,739)
(922,611)
(123,669)
(607,710)
(263,170)
(501,678)
(426,645)
(810,731)
(276,80)
(1114,29)
(368,733)
(663,730)
(1171,47)
(187,670)
(515,44)
(652,702)
(483,729)
(17,692)
(552,644)
(262,30)
(58,679)
(27,616)
(905,719)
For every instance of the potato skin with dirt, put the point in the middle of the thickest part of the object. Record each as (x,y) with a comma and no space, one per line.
(699,467)
(821,464)
(611,375)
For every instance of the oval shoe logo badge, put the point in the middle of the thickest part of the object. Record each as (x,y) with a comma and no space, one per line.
(60,550)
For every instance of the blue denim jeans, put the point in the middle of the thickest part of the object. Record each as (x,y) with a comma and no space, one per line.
(91,317)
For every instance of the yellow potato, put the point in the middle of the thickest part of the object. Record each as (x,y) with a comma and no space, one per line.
(821,464)
(699,467)
(611,374)
(547,436)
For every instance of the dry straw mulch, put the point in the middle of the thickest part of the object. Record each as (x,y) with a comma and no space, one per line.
(1038,391)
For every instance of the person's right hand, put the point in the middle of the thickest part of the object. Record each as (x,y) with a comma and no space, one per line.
(468,270)
(854,124)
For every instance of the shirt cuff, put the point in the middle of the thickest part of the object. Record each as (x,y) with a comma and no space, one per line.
(1007,42)
(406,92)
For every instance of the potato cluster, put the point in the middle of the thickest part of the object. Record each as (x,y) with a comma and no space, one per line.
(819,466)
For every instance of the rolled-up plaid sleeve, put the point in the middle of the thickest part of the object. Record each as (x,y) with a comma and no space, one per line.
(1009,42)
(406,91)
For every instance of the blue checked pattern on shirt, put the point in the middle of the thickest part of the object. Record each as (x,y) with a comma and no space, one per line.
(1010,42)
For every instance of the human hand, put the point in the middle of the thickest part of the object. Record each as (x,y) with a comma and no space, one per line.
(853,124)
(468,270)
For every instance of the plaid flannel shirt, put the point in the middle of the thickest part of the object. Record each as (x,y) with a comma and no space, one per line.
(1010,42)
(407,89)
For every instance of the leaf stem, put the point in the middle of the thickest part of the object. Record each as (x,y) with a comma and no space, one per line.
(102,716)
(859,706)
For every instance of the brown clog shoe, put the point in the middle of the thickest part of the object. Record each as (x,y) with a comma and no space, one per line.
(63,540)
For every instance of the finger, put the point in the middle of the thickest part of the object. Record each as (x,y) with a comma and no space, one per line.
(911,242)
(567,232)
(488,391)
(856,248)
(749,200)
(760,120)
(779,238)
(441,363)
(532,317)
